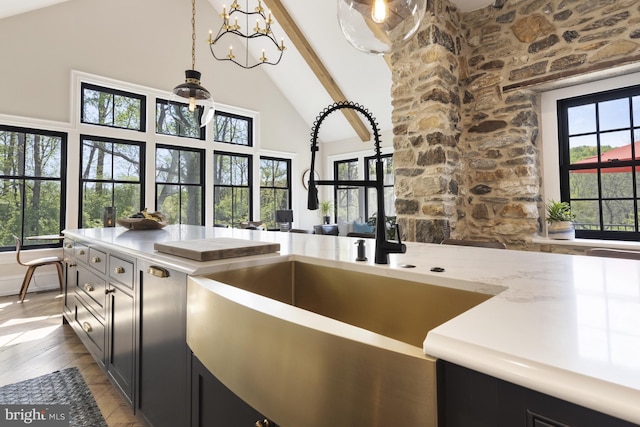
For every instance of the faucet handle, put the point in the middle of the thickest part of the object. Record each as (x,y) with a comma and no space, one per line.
(398,233)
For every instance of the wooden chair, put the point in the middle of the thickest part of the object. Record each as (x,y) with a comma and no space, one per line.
(476,243)
(613,253)
(32,265)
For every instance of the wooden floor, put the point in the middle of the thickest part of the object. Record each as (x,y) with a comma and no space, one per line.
(34,342)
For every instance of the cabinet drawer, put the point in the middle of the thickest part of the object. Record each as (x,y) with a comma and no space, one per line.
(121,270)
(98,260)
(81,252)
(92,329)
(92,290)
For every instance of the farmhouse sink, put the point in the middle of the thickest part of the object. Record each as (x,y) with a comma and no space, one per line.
(310,345)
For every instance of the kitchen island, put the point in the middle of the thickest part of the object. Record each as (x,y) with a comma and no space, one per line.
(563,325)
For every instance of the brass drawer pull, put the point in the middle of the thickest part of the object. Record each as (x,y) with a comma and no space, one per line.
(118,270)
(69,246)
(86,327)
(88,287)
(158,271)
(95,260)
(80,252)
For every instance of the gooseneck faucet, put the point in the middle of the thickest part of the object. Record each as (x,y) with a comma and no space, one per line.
(383,246)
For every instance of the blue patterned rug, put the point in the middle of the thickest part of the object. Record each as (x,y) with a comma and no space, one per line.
(65,387)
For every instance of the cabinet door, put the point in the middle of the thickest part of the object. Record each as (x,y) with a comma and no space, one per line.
(164,356)
(214,405)
(70,278)
(121,346)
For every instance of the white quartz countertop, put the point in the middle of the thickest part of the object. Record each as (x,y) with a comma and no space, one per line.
(564,325)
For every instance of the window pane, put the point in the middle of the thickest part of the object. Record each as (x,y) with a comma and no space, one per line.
(95,197)
(232,129)
(174,118)
(42,157)
(127,112)
(42,207)
(617,215)
(266,173)
(614,114)
(96,160)
(616,182)
(127,199)
(11,210)
(239,170)
(190,167)
(97,107)
(583,184)
(582,119)
(167,165)
(223,200)
(583,149)
(636,111)
(240,205)
(222,172)
(191,205)
(127,162)
(587,214)
(168,202)
(614,140)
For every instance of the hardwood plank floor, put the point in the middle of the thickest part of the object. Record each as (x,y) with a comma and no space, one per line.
(34,342)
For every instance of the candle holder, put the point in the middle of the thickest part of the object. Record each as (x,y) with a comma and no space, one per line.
(109,216)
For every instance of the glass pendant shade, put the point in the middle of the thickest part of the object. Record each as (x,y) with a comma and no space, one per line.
(196,94)
(380,26)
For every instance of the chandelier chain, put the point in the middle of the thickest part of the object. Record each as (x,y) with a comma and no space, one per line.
(193,34)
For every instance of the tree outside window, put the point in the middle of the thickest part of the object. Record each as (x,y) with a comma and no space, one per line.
(174,118)
(32,165)
(233,129)
(112,174)
(600,162)
(275,188)
(232,188)
(179,184)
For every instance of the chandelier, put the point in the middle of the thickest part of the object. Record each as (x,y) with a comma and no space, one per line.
(239,22)
(191,88)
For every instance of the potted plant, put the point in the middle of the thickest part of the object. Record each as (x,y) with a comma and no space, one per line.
(560,221)
(325,210)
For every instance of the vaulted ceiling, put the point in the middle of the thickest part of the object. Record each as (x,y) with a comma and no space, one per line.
(318,66)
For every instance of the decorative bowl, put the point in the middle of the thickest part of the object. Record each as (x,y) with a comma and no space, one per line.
(144,223)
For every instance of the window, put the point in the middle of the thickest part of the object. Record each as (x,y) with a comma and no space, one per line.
(114,108)
(233,129)
(32,194)
(179,184)
(275,188)
(231,188)
(389,180)
(174,118)
(112,174)
(347,204)
(599,137)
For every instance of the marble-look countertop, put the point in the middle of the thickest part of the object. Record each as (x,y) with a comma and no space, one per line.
(564,325)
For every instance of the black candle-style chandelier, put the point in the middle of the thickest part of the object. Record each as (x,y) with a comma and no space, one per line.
(239,22)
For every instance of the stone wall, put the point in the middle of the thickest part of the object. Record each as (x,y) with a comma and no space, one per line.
(465,98)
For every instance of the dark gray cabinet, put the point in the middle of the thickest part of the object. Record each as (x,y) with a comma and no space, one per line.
(164,360)
(471,399)
(214,405)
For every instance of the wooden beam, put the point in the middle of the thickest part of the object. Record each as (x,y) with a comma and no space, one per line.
(302,45)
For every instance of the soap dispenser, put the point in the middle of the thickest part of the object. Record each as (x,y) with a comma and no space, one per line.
(362,250)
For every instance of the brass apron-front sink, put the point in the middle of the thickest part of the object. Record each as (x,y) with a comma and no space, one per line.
(310,345)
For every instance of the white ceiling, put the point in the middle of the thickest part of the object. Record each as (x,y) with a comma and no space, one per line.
(365,79)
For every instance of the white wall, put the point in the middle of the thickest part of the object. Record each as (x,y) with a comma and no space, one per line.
(143,42)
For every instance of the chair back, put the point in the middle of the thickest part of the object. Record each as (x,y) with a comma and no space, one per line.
(613,253)
(18,248)
(476,243)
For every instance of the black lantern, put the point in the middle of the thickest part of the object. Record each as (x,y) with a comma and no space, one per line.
(109,216)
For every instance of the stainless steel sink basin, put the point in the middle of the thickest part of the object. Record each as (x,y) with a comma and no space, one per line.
(311,345)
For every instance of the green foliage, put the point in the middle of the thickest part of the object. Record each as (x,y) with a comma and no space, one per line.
(390,225)
(325,207)
(558,211)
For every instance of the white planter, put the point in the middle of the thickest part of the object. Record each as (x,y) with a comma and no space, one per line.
(561,230)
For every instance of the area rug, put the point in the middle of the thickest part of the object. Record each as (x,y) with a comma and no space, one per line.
(65,387)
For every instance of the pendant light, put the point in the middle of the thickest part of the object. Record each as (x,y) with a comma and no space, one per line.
(191,88)
(380,26)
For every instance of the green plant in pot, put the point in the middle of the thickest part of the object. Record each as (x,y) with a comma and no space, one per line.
(325,207)
(560,220)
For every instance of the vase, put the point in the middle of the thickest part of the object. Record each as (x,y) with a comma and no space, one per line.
(561,230)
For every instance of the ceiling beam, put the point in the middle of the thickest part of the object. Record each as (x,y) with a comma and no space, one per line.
(302,45)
